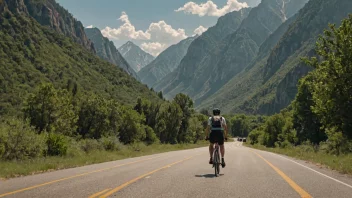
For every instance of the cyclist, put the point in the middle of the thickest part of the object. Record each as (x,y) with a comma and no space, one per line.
(217,125)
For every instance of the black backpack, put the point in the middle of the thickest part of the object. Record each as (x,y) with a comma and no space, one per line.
(216,123)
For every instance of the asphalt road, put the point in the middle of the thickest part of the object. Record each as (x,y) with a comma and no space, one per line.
(249,173)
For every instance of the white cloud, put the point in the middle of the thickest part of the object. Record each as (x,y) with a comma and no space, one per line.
(125,31)
(154,48)
(211,9)
(200,30)
(157,37)
(90,26)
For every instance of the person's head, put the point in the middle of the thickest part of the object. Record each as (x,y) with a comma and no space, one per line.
(216,111)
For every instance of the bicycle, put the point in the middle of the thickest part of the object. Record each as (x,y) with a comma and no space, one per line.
(216,158)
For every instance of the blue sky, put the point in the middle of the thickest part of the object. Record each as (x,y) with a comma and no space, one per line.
(169,26)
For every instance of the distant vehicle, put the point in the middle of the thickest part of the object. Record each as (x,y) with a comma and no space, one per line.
(244,140)
(240,139)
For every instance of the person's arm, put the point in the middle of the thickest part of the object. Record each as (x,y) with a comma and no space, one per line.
(207,129)
(226,131)
(207,132)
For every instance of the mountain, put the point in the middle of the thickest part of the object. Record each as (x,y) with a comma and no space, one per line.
(270,83)
(51,14)
(135,56)
(106,50)
(206,43)
(203,78)
(165,63)
(31,54)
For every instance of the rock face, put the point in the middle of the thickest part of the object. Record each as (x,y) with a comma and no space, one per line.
(269,83)
(135,56)
(106,50)
(202,47)
(203,78)
(165,63)
(51,14)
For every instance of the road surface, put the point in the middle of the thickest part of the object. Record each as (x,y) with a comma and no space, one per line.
(249,173)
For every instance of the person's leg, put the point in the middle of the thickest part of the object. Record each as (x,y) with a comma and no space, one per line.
(211,147)
(222,150)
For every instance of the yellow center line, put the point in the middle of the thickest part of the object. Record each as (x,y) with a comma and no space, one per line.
(297,188)
(75,176)
(142,176)
(99,193)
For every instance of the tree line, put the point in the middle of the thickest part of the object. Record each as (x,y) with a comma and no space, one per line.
(321,114)
(56,119)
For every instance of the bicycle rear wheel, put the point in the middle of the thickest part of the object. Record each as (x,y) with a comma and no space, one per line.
(216,163)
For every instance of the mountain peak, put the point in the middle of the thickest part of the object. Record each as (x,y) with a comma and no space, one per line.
(166,62)
(135,56)
(107,50)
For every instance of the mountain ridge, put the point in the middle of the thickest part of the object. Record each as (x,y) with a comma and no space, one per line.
(135,56)
(38,54)
(107,50)
(165,63)
(204,44)
(233,53)
(51,14)
(267,86)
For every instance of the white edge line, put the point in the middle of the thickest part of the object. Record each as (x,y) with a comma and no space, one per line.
(336,180)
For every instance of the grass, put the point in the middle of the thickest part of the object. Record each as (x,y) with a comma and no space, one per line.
(10,169)
(340,163)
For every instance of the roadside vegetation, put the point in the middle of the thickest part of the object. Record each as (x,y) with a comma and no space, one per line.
(60,128)
(317,126)
(77,157)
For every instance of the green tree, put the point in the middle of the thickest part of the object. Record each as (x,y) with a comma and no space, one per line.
(18,140)
(196,129)
(240,126)
(132,128)
(160,94)
(51,110)
(306,122)
(272,129)
(186,105)
(98,117)
(332,85)
(169,121)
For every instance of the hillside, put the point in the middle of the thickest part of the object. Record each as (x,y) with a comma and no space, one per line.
(50,14)
(135,56)
(31,54)
(106,50)
(234,53)
(206,43)
(165,63)
(270,83)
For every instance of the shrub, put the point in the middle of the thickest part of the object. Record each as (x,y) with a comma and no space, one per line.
(254,136)
(19,141)
(89,145)
(110,143)
(151,137)
(57,144)
(73,148)
(137,146)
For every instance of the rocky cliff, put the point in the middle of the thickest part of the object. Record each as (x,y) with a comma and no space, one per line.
(106,50)
(135,56)
(202,79)
(51,14)
(269,83)
(165,63)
